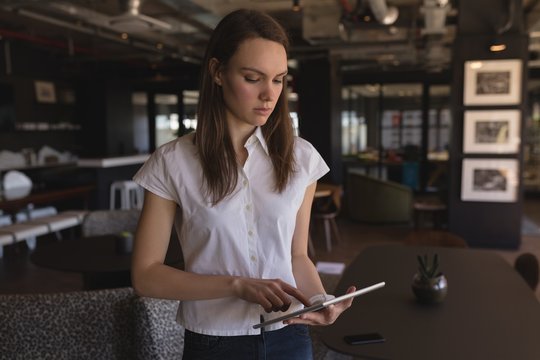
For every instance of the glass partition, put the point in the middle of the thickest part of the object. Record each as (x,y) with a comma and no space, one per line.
(167,118)
(383,131)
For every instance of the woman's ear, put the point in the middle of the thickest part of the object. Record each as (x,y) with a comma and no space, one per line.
(214,68)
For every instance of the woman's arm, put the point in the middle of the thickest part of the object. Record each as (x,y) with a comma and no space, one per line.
(306,275)
(151,277)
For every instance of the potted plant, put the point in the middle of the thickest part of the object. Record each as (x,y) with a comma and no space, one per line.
(429,284)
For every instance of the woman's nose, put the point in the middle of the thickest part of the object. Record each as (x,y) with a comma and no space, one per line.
(268,91)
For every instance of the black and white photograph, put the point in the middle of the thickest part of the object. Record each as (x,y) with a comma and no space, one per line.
(492,82)
(493,131)
(489,180)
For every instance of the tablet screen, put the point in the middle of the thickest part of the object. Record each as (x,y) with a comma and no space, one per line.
(318,307)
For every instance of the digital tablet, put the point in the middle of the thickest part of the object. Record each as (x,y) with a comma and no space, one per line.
(320,306)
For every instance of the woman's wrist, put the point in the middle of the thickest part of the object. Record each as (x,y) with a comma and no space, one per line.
(236,285)
(320,298)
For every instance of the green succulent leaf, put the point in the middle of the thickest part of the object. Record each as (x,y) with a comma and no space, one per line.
(428,269)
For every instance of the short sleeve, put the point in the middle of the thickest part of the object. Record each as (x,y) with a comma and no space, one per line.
(154,177)
(310,161)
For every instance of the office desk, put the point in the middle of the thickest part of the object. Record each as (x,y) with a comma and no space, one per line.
(489,312)
(94,257)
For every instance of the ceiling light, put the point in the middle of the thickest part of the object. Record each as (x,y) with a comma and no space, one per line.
(296,5)
(497,46)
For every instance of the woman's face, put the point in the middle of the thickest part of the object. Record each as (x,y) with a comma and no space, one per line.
(252,82)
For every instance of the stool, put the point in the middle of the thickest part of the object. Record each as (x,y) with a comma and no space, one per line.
(435,209)
(326,208)
(130,194)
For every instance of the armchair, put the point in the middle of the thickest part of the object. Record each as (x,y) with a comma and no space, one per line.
(377,201)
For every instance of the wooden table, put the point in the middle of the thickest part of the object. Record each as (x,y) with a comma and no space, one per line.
(96,258)
(489,312)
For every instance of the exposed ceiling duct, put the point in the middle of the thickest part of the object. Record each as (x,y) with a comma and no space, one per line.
(399,33)
(321,24)
(435,12)
(386,15)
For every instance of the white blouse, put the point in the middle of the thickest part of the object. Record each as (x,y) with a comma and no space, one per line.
(248,234)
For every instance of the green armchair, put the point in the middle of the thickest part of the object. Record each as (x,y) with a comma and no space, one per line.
(374,200)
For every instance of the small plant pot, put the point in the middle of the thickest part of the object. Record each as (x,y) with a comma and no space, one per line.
(124,243)
(429,291)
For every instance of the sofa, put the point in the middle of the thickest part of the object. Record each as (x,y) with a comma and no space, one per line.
(373,200)
(100,324)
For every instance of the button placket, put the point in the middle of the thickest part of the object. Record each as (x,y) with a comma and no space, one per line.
(251,231)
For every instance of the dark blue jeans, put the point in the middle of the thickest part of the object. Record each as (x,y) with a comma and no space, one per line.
(292,343)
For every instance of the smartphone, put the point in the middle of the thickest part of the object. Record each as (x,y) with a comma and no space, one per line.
(359,339)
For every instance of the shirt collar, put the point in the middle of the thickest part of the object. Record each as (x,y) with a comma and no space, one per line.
(258,135)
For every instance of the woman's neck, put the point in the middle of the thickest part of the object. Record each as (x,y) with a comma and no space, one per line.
(239,136)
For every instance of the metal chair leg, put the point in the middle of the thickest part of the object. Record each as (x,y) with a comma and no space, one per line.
(328,235)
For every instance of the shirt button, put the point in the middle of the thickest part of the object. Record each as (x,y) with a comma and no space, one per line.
(248,207)
(250,233)
(245,182)
(253,258)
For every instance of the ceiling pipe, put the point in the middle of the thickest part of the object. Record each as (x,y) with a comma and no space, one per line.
(94,31)
(386,15)
(132,13)
(80,28)
(133,7)
(42,41)
(435,12)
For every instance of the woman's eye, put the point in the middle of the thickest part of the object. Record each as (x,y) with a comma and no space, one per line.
(278,81)
(251,80)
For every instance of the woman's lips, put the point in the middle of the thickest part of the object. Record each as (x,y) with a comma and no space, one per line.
(263,111)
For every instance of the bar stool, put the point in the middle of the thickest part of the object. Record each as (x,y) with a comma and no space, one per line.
(326,208)
(130,195)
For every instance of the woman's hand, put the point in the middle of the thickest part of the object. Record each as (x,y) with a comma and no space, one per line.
(271,294)
(325,316)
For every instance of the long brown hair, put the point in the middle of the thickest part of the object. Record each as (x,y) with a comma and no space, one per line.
(212,138)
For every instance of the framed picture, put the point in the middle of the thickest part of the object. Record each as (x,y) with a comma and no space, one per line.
(492,82)
(492,131)
(489,180)
(45,92)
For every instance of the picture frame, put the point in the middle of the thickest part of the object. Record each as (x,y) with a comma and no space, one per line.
(491,131)
(45,92)
(489,180)
(492,82)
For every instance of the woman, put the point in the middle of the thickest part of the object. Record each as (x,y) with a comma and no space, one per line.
(243,186)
